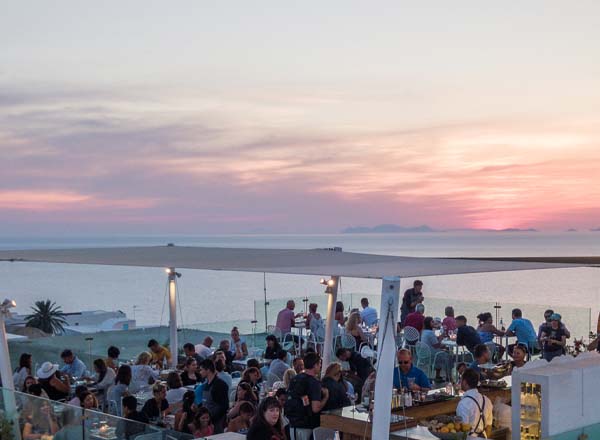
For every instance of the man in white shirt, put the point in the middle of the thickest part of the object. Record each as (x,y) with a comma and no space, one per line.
(204,349)
(474,408)
(368,314)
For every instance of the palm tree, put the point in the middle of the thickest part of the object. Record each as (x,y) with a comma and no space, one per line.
(46,316)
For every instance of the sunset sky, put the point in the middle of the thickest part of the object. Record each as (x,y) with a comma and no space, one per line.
(297,117)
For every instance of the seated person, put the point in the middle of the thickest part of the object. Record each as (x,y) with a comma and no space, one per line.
(406,372)
(225,348)
(334,383)
(442,358)
(74,366)
(523,329)
(279,366)
(474,408)
(189,350)
(161,356)
(238,347)
(190,375)
(519,356)
(416,318)
(204,350)
(55,383)
(176,389)
(42,421)
(134,423)
(157,406)
(241,423)
(487,331)
(482,356)
(466,335)
(547,315)
(449,323)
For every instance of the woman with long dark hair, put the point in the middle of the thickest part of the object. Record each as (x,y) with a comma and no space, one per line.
(272,348)
(268,424)
(23,370)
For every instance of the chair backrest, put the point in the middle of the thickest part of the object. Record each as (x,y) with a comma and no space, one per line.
(150,436)
(323,433)
(348,341)
(423,351)
(411,334)
(271,379)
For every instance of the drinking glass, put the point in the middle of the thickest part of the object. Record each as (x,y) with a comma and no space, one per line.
(411,382)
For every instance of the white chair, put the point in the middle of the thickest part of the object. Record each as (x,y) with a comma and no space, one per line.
(368,353)
(411,335)
(271,379)
(323,433)
(348,341)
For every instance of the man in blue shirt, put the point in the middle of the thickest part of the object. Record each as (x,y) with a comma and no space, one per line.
(368,314)
(406,370)
(523,329)
(73,366)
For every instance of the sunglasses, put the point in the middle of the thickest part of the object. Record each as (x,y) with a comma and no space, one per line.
(404,362)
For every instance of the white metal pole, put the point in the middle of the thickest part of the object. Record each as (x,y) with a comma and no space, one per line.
(330,323)
(173,317)
(8,386)
(390,294)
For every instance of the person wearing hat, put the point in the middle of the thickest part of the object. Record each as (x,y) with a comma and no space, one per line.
(56,384)
(553,338)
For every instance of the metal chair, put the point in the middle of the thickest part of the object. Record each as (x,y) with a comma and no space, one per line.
(348,341)
(323,433)
(271,379)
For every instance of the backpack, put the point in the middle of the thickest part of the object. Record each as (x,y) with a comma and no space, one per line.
(298,407)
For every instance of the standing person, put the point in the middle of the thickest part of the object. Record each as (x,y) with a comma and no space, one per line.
(161,356)
(360,368)
(339,314)
(315,323)
(286,318)
(523,329)
(298,365)
(547,321)
(214,395)
(268,424)
(368,313)
(411,298)
(465,334)
(474,408)
(554,338)
(112,359)
(306,399)
(23,371)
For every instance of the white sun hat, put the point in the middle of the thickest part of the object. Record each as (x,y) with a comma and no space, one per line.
(46,370)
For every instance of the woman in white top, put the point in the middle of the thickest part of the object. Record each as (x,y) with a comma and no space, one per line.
(142,374)
(442,359)
(176,390)
(104,378)
(23,371)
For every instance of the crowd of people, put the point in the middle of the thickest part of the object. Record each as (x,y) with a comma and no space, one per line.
(223,389)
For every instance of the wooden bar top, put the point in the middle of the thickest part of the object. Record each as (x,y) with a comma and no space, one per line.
(356,425)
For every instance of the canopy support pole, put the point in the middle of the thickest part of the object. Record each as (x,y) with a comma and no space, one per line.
(390,294)
(332,289)
(8,386)
(173,343)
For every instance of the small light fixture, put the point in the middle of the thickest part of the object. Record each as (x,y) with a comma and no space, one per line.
(171,272)
(329,283)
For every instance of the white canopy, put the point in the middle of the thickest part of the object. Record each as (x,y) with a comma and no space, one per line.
(286,261)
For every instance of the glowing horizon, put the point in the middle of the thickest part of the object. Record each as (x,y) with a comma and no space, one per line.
(299,120)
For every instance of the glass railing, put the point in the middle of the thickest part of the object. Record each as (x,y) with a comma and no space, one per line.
(591,432)
(39,418)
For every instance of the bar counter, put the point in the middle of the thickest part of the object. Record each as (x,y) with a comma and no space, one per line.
(356,426)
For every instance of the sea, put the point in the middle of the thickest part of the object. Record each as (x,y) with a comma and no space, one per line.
(212,296)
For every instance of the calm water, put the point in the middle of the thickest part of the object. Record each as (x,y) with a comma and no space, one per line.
(212,296)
